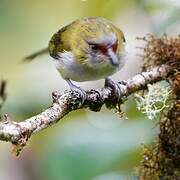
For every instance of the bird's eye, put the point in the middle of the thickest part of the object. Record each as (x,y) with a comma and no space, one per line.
(94,47)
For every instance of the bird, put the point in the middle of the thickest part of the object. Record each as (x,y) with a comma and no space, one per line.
(87,49)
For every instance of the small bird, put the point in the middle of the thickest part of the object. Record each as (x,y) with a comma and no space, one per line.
(87,49)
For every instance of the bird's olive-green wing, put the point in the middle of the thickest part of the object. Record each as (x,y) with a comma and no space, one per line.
(61,41)
(70,38)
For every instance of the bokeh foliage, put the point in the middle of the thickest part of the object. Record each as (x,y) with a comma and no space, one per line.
(84,145)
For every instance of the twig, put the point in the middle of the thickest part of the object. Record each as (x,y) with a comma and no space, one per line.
(18,133)
(2,92)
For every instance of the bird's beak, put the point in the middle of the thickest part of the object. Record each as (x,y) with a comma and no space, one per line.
(113,57)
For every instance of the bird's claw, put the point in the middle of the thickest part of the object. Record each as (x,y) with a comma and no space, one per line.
(81,92)
(116,87)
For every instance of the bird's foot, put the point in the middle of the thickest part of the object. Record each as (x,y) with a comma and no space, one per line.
(116,87)
(81,92)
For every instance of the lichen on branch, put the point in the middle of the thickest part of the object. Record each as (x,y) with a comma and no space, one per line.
(155,100)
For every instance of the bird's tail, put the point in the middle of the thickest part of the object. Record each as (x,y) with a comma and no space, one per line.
(34,55)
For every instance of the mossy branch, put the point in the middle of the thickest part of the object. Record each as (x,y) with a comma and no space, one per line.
(18,133)
(162,160)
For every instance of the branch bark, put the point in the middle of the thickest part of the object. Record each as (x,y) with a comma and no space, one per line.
(18,133)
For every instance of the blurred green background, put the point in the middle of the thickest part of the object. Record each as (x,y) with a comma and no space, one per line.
(84,145)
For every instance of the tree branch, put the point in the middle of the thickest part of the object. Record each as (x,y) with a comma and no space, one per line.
(18,133)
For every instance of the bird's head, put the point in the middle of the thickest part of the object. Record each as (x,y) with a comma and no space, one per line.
(98,42)
(91,41)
